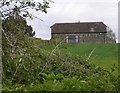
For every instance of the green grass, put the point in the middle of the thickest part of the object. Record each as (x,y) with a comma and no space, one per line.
(104,55)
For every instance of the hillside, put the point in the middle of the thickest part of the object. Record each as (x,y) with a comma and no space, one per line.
(104,55)
(41,66)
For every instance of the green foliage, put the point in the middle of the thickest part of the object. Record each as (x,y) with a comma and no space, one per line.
(111,34)
(29,31)
(19,7)
(28,66)
(51,83)
(31,68)
(43,71)
(20,24)
(105,55)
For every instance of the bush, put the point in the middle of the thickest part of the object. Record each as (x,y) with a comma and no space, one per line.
(27,66)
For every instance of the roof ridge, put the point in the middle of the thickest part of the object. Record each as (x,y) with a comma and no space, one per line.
(79,22)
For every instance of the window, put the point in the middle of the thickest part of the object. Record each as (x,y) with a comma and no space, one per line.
(72,39)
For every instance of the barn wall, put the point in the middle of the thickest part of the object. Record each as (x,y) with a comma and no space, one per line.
(60,37)
(86,38)
(92,38)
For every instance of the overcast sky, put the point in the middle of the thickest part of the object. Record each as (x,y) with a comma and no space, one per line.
(74,11)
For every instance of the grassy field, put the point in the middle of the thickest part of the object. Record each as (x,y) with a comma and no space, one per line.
(105,55)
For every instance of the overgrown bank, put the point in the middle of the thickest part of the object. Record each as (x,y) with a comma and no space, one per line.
(104,55)
(36,69)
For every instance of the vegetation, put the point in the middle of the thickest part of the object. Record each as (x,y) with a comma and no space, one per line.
(42,70)
(28,66)
(15,8)
(27,29)
(110,34)
(103,54)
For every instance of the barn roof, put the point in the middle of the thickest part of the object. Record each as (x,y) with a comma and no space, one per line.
(79,27)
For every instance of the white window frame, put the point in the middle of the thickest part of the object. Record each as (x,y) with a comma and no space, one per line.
(67,39)
(76,36)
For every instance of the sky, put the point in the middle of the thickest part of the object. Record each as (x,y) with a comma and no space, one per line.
(62,11)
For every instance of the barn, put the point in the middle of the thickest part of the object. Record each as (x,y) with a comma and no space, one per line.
(81,32)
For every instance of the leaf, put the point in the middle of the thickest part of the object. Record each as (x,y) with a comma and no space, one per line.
(24,15)
(7,3)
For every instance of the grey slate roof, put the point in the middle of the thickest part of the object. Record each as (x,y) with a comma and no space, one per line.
(79,27)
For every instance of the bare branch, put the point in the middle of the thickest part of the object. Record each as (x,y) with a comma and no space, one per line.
(90,54)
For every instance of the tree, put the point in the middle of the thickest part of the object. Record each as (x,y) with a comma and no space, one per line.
(27,29)
(15,43)
(110,34)
(17,7)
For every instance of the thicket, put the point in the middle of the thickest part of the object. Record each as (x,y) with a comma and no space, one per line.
(28,66)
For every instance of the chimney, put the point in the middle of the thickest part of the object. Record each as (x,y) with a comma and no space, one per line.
(79,21)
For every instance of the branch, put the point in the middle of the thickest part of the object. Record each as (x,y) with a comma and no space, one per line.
(90,54)
(9,43)
(56,47)
(36,17)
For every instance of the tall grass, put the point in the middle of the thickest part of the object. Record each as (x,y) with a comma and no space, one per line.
(104,55)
